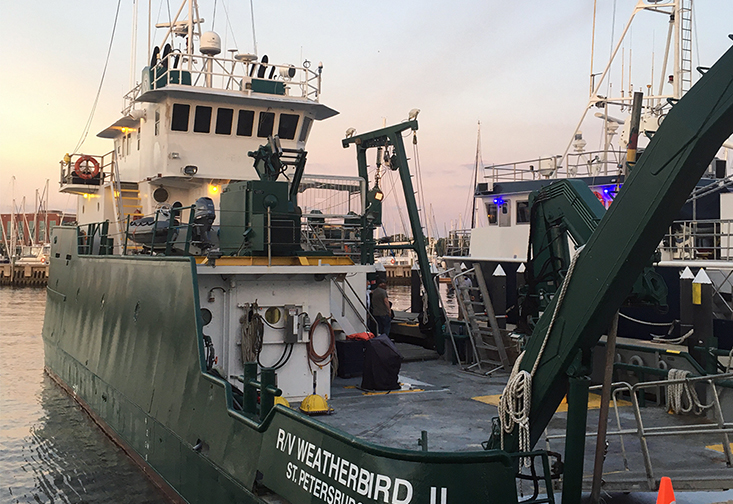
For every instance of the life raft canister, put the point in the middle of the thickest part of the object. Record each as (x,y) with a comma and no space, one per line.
(86,167)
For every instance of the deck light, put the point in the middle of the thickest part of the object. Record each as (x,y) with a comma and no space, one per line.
(190,170)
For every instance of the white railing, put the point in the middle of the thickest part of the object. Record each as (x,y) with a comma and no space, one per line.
(236,74)
(584,164)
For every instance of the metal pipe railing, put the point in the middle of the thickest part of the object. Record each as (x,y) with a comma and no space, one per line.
(721,427)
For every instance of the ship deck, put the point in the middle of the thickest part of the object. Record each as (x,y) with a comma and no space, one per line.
(456,408)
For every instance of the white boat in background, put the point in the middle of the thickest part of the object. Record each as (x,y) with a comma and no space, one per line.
(702,234)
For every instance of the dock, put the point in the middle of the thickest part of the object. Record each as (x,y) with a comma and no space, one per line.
(24,275)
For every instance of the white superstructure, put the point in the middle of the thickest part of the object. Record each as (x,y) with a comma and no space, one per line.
(187,126)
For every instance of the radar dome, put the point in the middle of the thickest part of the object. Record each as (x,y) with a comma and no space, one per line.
(210,44)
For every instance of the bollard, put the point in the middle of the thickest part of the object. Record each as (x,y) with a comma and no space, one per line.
(250,392)
(686,278)
(702,320)
(423,441)
(497,291)
(267,398)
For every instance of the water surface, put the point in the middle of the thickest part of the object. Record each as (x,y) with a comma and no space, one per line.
(50,450)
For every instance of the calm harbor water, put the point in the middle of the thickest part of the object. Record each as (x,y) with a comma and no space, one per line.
(51,451)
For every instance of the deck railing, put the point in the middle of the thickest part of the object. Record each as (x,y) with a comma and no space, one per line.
(70,175)
(718,430)
(237,73)
(699,240)
(583,164)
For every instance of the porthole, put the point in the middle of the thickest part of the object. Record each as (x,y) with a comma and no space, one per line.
(160,195)
(205,316)
(272,315)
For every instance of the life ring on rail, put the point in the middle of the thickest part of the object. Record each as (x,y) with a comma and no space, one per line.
(392,261)
(86,167)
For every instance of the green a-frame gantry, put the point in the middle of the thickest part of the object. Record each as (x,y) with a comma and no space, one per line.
(385,137)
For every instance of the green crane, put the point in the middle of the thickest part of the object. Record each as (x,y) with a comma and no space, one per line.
(391,138)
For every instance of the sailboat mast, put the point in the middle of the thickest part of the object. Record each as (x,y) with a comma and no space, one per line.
(476,164)
(133,42)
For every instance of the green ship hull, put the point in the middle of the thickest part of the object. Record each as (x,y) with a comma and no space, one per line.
(123,335)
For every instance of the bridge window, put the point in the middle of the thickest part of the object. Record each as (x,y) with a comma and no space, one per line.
(288,125)
(266,124)
(202,121)
(492,212)
(307,121)
(157,121)
(245,122)
(179,121)
(522,212)
(224,118)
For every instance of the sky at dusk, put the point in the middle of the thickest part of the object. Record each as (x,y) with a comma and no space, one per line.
(520,68)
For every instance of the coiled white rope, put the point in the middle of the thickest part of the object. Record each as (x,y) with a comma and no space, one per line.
(516,400)
(682,393)
(515,404)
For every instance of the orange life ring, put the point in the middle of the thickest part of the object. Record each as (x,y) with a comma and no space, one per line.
(83,170)
(393,261)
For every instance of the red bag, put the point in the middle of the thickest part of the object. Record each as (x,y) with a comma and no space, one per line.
(364,336)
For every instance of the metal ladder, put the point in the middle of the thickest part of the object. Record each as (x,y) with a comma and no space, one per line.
(685,45)
(478,312)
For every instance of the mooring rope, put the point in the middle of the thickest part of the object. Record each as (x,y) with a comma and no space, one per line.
(516,400)
(682,393)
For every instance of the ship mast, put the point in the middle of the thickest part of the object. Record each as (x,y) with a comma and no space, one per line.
(679,37)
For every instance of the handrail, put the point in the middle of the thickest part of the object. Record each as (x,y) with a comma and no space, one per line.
(722,427)
(227,74)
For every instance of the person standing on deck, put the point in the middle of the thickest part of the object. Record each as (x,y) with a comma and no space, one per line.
(381,308)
